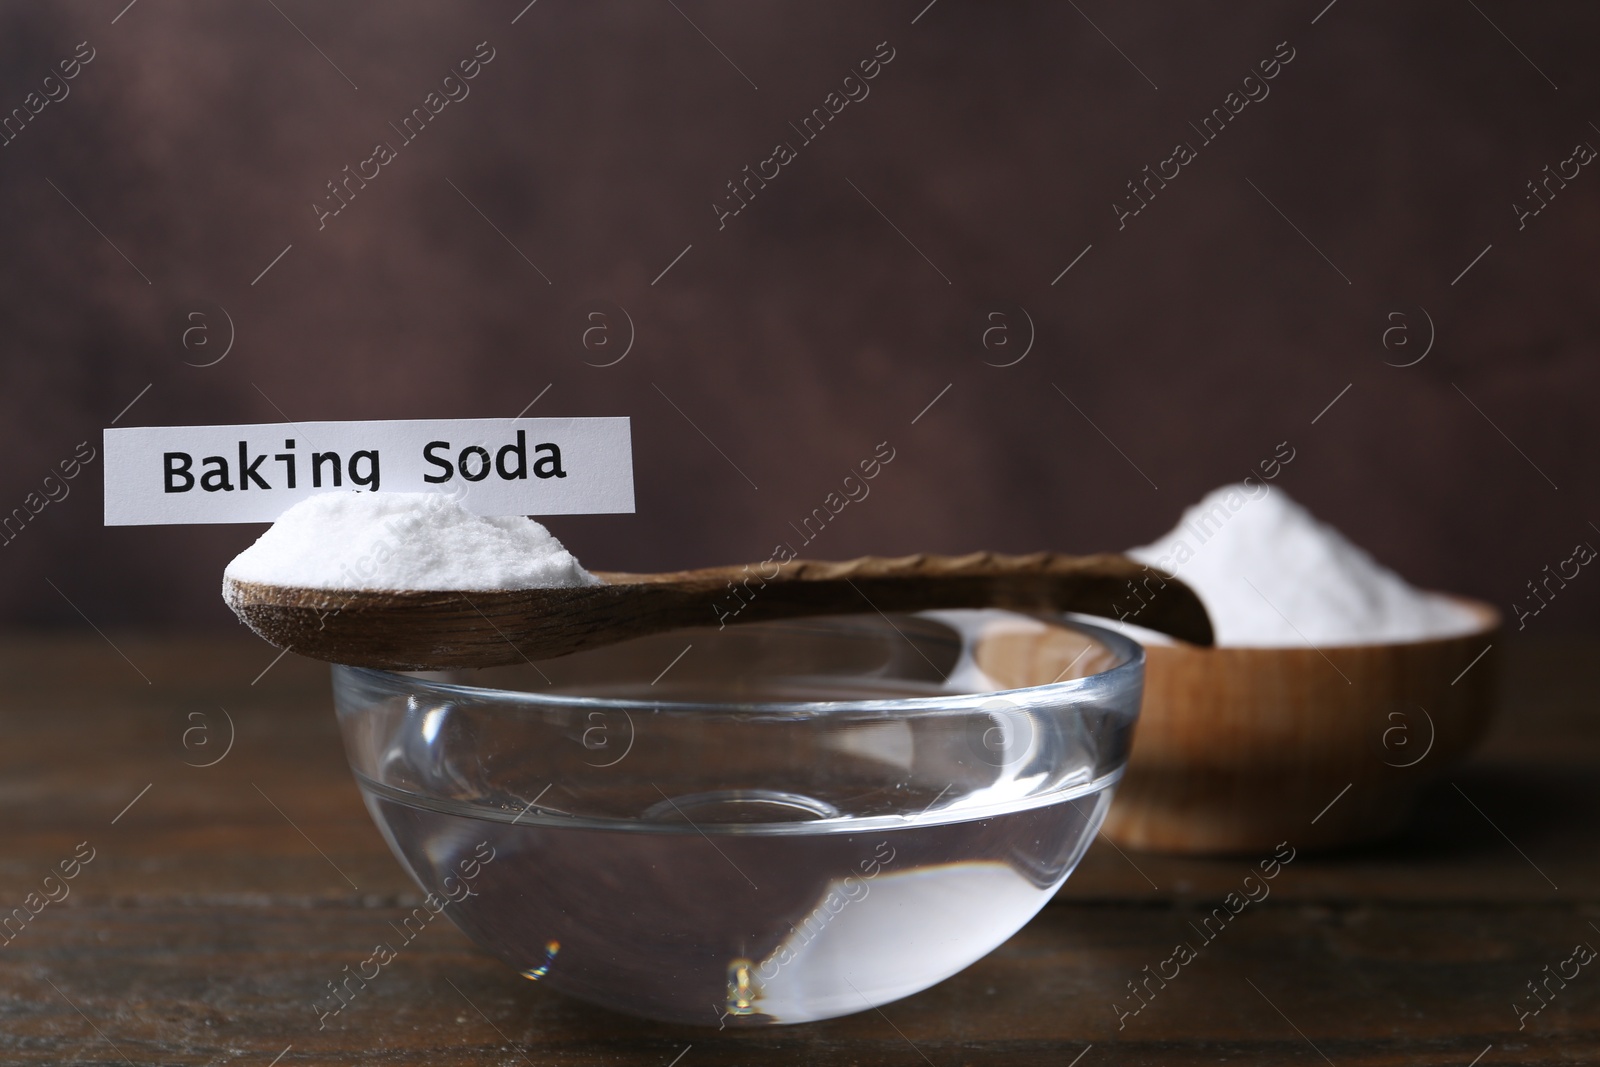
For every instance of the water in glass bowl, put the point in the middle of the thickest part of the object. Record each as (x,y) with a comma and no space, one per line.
(725,927)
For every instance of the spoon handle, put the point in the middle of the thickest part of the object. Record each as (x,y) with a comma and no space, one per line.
(1107,585)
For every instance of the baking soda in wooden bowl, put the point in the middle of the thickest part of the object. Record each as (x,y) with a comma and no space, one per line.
(1337,692)
(1272,575)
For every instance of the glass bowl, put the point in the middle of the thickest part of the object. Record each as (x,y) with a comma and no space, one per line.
(769,823)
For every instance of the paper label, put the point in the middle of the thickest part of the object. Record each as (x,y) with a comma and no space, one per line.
(206,474)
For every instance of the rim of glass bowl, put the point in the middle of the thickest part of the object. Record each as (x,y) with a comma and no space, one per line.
(1130,651)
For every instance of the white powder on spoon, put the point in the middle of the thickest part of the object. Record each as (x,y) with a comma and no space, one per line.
(1272,575)
(393,541)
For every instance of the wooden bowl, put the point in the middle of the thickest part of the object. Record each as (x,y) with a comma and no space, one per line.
(1238,749)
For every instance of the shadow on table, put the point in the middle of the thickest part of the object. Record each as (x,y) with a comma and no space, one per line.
(1479,812)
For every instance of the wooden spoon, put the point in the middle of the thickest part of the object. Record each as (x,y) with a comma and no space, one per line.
(429,629)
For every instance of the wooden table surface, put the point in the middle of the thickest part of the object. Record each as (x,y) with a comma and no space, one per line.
(220,900)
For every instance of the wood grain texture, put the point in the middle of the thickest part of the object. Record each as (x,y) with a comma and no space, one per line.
(1238,747)
(436,629)
(217,907)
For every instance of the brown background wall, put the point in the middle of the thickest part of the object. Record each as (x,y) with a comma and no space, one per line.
(807,331)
